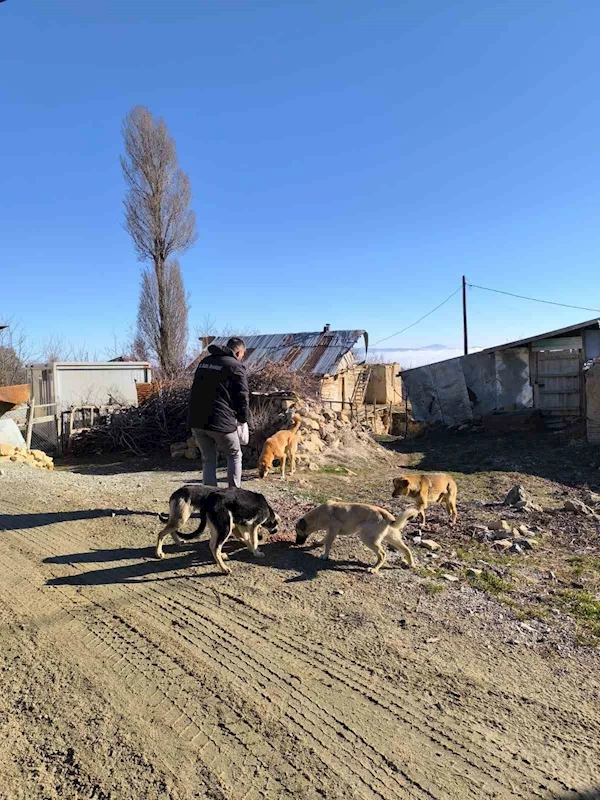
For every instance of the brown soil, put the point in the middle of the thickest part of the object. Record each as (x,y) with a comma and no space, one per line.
(125,677)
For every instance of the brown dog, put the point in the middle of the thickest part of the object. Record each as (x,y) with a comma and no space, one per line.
(281,445)
(434,488)
(375,527)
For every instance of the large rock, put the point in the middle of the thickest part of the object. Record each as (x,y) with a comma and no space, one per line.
(429,544)
(499,525)
(312,444)
(310,424)
(516,495)
(578,507)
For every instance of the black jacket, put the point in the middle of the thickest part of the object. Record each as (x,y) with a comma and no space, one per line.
(219,397)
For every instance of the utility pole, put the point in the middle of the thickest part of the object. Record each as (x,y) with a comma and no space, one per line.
(464,293)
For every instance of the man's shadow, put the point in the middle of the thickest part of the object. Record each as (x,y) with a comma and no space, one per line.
(13,522)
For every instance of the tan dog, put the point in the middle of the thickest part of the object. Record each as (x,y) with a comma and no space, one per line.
(374,525)
(433,488)
(281,445)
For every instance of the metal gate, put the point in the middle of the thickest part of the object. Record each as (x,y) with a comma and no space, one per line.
(557,380)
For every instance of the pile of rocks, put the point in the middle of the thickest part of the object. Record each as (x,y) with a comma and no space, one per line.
(504,536)
(323,432)
(187,449)
(19,455)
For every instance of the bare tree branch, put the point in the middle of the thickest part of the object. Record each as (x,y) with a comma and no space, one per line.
(160,222)
(14,354)
(149,341)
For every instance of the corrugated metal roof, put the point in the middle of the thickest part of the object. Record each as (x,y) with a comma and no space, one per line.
(590,323)
(322,353)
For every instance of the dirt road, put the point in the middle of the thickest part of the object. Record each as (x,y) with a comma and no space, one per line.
(124,677)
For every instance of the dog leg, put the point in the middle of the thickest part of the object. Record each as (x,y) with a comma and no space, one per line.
(394,539)
(283,460)
(218,536)
(161,537)
(381,556)
(252,542)
(329,540)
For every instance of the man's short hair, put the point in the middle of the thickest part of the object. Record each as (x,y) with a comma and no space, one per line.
(235,343)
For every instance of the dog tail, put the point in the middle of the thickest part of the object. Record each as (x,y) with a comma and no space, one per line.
(179,512)
(199,530)
(297,420)
(400,523)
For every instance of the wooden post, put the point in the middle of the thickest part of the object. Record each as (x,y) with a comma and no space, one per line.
(59,443)
(30,424)
(464,298)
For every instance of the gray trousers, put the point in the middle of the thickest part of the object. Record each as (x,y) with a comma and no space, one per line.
(229,443)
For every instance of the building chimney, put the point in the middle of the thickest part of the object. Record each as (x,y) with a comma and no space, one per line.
(326,328)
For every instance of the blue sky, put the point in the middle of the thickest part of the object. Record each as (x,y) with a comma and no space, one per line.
(349,162)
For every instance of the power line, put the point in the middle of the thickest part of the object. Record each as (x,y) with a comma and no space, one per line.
(534,299)
(412,325)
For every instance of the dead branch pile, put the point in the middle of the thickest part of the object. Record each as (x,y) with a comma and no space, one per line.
(162,419)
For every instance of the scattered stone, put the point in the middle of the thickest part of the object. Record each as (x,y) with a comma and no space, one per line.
(473,572)
(577,585)
(497,535)
(429,544)
(338,591)
(578,507)
(1,472)
(503,544)
(450,565)
(499,525)
(526,543)
(450,578)
(591,498)
(551,575)
(433,640)
(312,467)
(528,627)
(417,540)
(516,548)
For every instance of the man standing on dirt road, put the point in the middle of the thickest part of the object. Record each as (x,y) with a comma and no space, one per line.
(218,405)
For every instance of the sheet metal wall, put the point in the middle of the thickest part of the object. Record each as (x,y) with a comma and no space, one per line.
(453,391)
(94,384)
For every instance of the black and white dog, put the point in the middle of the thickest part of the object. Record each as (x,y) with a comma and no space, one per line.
(227,511)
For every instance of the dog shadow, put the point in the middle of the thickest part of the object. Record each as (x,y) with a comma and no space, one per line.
(302,562)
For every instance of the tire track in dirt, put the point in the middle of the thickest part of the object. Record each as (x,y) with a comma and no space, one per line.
(368,778)
(228,633)
(406,712)
(151,673)
(414,718)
